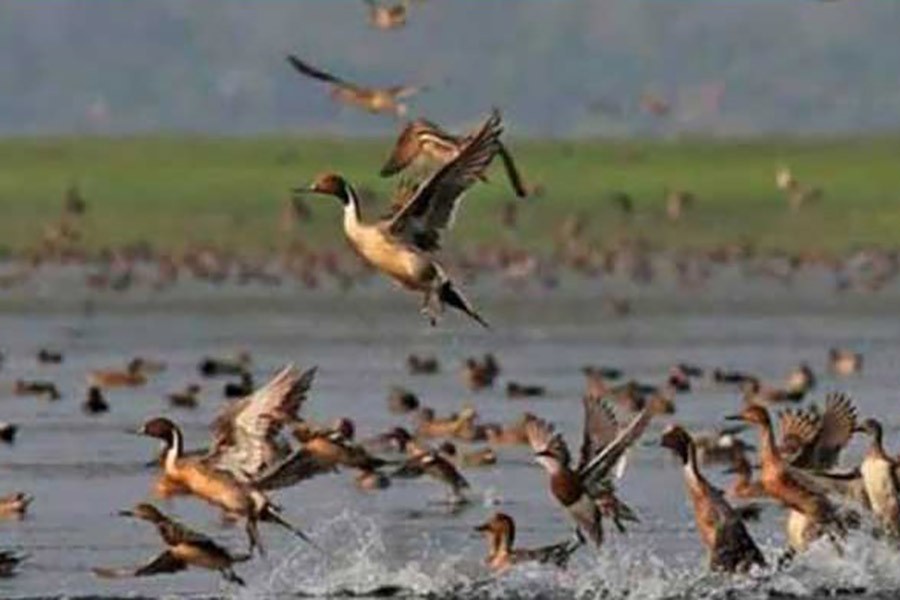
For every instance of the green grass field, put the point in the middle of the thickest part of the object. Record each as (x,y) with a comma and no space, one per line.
(174,190)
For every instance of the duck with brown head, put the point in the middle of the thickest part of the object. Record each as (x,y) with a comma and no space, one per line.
(729,545)
(500,531)
(880,475)
(401,245)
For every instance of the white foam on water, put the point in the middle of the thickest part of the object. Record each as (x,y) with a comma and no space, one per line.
(357,563)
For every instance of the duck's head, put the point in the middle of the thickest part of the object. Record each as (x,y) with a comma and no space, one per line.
(676,439)
(160,428)
(400,437)
(144,511)
(756,415)
(499,525)
(870,427)
(328,184)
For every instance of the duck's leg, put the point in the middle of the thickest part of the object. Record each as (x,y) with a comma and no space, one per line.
(428,306)
(253,535)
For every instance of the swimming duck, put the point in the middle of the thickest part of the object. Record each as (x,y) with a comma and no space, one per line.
(756,394)
(500,531)
(387,17)
(247,456)
(49,357)
(373,100)
(729,545)
(185,548)
(480,374)
(586,491)
(401,245)
(334,447)
(430,426)
(44,389)
(482,457)
(188,398)
(515,389)
(132,376)
(844,362)
(8,432)
(218,367)
(721,446)
(515,434)
(9,560)
(811,513)
(423,146)
(401,401)
(95,403)
(801,380)
(14,505)
(422,365)
(241,388)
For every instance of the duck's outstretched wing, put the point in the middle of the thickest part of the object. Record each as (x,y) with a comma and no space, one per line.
(600,428)
(298,466)
(164,563)
(311,71)
(544,438)
(432,206)
(601,465)
(246,431)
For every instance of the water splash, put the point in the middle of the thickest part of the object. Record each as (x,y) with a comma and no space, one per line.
(358,563)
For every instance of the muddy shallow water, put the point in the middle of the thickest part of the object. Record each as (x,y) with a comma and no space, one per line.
(83,469)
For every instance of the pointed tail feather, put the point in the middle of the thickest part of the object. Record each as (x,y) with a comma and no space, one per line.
(449,295)
(271,515)
(515,179)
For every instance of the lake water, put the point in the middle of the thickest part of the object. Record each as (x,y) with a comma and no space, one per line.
(83,469)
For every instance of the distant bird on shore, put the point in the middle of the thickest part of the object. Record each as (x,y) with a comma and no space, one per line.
(402,244)
(373,100)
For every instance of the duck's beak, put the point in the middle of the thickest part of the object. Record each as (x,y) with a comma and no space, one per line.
(734,418)
(483,527)
(125,513)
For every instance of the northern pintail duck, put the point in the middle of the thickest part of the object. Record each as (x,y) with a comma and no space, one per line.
(515,434)
(45,356)
(240,388)
(757,394)
(8,432)
(430,426)
(185,548)
(385,16)
(132,376)
(95,403)
(586,490)
(401,401)
(9,560)
(880,474)
(483,457)
(500,531)
(40,388)
(514,389)
(402,245)
(811,513)
(422,365)
(423,146)
(186,398)
(374,100)
(334,447)
(422,460)
(479,374)
(15,505)
(730,547)
(844,362)
(721,446)
(218,367)
(247,456)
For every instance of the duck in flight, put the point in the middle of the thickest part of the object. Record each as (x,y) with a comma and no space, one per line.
(402,245)
(374,100)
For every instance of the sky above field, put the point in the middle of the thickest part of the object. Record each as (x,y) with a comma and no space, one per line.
(555,67)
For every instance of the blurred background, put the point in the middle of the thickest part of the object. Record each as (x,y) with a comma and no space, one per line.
(557,68)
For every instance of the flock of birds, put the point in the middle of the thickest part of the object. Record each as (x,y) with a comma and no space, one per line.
(260,443)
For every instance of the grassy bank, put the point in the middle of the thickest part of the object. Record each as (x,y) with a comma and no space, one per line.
(171,190)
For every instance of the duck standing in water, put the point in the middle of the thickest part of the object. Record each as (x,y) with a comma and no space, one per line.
(184,548)
(401,245)
(721,529)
